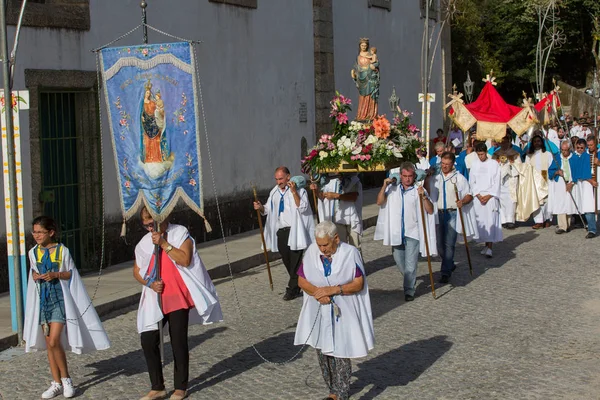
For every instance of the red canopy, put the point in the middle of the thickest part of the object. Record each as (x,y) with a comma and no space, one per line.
(491,107)
(491,114)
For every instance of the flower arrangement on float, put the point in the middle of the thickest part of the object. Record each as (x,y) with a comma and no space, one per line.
(355,146)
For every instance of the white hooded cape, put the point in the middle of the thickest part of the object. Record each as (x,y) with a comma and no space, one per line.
(468,214)
(83,330)
(303,224)
(389,227)
(350,211)
(351,335)
(207,308)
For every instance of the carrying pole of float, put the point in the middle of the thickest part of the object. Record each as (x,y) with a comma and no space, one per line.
(12,242)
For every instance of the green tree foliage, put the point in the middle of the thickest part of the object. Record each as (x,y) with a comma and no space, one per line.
(502,35)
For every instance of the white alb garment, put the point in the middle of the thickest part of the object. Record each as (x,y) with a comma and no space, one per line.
(207,308)
(342,212)
(389,220)
(485,180)
(560,201)
(464,189)
(351,335)
(83,331)
(302,222)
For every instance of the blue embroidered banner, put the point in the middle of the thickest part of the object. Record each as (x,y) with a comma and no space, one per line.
(151,97)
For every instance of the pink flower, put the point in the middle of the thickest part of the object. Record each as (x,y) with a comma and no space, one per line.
(145,52)
(193,182)
(123,122)
(342,118)
(367,157)
(412,128)
(185,132)
(127,184)
(181,118)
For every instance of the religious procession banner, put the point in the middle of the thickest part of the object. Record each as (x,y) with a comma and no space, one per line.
(152,102)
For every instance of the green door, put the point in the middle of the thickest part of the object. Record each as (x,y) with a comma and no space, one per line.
(71,184)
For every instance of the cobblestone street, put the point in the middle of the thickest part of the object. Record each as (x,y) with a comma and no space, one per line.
(525,326)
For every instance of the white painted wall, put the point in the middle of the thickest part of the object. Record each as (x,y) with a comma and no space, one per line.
(256,66)
(397,36)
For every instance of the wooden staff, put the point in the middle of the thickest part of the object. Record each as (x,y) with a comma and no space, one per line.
(595,169)
(427,245)
(464,231)
(157,255)
(262,237)
(314,193)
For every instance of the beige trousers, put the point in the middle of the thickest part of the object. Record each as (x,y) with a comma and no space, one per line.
(564,221)
(347,235)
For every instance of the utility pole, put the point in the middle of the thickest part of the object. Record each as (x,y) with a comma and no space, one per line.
(12,242)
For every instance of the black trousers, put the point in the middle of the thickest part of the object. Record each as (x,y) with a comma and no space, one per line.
(291,258)
(178,331)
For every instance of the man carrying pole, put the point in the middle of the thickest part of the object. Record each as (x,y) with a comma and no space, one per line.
(448,205)
(289,227)
(400,224)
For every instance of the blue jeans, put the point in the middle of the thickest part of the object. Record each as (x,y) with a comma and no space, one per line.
(447,240)
(406,257)
(591,222)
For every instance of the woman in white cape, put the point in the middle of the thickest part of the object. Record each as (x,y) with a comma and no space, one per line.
(57,299)
(336,316)
(188,296)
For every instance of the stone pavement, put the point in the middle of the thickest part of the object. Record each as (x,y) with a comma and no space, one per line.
(117,289)
(525,326)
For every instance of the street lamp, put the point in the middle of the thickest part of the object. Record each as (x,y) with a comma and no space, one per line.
(468,85)
(394,100)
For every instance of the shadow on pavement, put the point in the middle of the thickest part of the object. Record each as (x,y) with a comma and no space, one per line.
(278,348)
(398,367)
(133,363)
(504,252)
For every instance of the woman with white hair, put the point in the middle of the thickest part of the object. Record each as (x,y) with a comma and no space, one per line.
(336,314)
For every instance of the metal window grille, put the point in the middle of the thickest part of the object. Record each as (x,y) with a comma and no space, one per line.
(70,165)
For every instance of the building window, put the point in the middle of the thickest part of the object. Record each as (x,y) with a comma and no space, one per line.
(240,3)
(72,14)
(433,9)
(387,4)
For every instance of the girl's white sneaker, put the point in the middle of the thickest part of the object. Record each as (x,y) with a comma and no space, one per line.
(68,389)
(54,390)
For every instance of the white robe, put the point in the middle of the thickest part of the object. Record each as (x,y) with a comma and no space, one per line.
(468,214)
(509,179)
(83,331)
(302,230)
(485,179)
(541,161)
(336,210)
(560,201)
(351,335)
(207,308)
(389,227)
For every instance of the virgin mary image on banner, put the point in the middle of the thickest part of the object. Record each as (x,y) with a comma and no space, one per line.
(151,97)
(154,146)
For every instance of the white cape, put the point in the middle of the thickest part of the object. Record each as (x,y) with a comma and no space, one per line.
(302,230)
(468,214)
(351,335)
(207,308)
(350,211)
(83,330)
(389,228)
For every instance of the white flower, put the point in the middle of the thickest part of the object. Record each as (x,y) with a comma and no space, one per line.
(371,139)
(323,154)
(357,150)
(396,152)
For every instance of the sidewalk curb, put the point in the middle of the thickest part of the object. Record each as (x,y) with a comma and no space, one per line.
(221,271)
